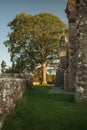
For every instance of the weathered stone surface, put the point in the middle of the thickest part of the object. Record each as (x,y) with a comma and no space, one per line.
(66,80)
(63,56)
(11,89)
(77,71)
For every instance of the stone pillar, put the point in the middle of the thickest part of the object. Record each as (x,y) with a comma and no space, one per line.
(72,15)
(81,75)
(63,63)
(76,11)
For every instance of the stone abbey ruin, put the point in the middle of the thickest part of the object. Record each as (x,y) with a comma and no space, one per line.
(73,62)
(72,71)
(77,71)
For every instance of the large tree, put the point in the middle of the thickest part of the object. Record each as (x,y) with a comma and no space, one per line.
(34,39)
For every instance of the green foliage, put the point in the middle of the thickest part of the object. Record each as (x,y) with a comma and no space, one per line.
(33,38)
(3,65)
(39,110)
(50,79)
(12,70)
(37,77)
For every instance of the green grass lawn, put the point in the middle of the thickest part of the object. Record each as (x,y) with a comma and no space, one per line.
(39,110)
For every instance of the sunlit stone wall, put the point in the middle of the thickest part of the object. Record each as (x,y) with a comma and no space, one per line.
(11,89)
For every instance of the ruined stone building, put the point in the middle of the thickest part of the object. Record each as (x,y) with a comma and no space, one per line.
(75,75)
(63,64)
(77,72)
(73,62)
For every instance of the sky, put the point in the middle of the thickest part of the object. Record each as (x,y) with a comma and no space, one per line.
(10,8)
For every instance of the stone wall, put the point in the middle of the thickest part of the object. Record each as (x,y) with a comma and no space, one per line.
(11,89)
(77,72)
(81,34)
(63,56)
(73,45)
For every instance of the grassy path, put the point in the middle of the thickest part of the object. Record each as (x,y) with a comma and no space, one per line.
(39,110)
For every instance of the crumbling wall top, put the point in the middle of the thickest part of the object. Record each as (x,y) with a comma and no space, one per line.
(71,5)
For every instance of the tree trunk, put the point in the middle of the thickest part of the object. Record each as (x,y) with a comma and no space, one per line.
(44,73)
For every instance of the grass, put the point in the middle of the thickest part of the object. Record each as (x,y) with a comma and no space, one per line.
(39,110)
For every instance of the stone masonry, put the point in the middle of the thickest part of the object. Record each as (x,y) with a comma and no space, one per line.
(63,64)
(73,44)
(11,89)
(77,72)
